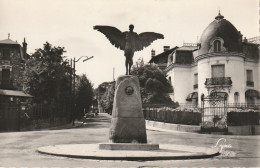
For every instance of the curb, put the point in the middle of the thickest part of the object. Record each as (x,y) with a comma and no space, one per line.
(172,127)
(163,154)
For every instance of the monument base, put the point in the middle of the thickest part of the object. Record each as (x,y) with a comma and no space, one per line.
(128,146)
(128,130)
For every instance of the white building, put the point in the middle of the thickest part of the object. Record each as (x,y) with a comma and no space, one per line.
(222,62)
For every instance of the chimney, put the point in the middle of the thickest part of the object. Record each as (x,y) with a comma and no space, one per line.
(24,48)
(245,40)
(153,53)
(166,48)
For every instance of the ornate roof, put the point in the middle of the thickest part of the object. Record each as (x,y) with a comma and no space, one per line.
(222,28)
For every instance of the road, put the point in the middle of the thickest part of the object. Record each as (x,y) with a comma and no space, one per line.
(18,149)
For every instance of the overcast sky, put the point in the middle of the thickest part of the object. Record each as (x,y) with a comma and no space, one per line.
(69,24)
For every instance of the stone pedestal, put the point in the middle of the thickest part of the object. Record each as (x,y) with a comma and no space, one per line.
(127,123)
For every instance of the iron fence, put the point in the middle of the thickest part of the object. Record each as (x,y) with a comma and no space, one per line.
(47,111)
(242,107)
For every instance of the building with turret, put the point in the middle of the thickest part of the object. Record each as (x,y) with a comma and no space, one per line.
(222,62)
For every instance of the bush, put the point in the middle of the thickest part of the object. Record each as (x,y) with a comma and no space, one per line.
(242,118)
(174,116)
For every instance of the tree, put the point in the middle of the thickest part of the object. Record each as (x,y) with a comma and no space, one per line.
(84,95)
(154,85)
(47,76)
(105,93)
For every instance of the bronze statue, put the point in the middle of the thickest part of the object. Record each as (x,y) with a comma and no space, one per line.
(128,41)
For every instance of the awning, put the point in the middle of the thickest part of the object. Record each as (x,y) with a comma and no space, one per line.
(14,93)
(193,95)
(252,93)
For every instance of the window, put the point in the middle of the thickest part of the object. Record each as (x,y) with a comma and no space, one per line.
(249,75)
(6,54)
(195,86)
(5,77)
(217,46)
(236,97)
(195,78)
(218,71)
(170,79)
(171,58)
(202,97)
(249,78)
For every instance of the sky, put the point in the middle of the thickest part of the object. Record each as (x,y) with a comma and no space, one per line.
(69,24)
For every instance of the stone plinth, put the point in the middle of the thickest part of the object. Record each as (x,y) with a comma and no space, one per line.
(127,123)
(128,146)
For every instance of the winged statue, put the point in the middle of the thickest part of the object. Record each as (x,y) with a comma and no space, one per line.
(128,41)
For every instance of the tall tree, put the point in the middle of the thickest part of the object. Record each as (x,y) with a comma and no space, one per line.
(84,95)
(154,85)
(47,76)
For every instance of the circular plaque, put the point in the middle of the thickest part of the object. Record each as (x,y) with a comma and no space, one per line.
(129,90)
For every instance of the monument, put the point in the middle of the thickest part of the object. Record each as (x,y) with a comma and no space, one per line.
(128,124)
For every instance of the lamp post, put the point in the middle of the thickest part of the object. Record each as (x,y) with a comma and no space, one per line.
(74,83)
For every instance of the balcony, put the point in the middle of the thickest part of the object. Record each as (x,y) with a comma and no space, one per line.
(195,86)
(250,83)
(214,82)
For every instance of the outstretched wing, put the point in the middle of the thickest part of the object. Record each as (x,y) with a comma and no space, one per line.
(115,36)
(146,38)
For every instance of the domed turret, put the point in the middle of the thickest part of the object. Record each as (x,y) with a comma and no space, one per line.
(223,31)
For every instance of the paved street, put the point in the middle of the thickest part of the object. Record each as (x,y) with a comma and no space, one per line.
(19,148)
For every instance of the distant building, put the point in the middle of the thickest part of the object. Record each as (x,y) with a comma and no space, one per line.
(220,62)
(12,64)
(162,59)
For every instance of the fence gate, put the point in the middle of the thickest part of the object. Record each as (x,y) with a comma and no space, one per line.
(214,112)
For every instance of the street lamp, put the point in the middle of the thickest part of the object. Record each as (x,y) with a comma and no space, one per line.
(74,81)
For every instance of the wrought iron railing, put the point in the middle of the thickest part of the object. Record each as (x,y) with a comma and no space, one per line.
(250,83)
(218,81)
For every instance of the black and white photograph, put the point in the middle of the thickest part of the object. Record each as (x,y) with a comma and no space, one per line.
(128,83)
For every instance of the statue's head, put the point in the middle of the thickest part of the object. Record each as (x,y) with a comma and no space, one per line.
(131,27)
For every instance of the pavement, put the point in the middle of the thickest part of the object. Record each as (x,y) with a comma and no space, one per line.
(18,149)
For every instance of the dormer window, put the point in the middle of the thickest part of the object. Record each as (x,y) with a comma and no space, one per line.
(217,46)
